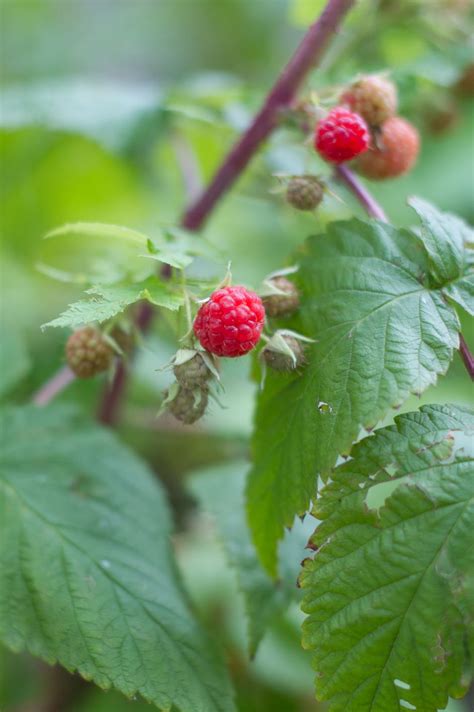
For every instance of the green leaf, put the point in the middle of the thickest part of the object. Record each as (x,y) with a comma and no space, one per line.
(220,490)
(95,252)
(87,576)
(380,334)
(109,300)
(14,359)
(385,592)
(462,292)
(444,236)
(111,114)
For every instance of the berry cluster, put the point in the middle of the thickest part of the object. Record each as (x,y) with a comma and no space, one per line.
(365,126)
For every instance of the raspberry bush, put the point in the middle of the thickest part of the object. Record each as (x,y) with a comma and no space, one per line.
(267,370)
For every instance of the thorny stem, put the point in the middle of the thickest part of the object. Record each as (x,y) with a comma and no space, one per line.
(373,209)
(307,56)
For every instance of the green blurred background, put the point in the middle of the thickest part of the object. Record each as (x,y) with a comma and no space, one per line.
(101,99)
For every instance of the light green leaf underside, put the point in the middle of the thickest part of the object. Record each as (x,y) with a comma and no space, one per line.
(87,576)
(380,334)
(220,490)
(94,253)
(387,591)
(107,301)
(110,113)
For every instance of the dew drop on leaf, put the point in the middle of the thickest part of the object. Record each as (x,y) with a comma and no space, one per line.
(324,407)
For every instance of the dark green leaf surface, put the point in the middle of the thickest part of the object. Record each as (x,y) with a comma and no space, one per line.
(444,236)
(388,591)
(380,334)
(107,301)
(220,490)
(87,576)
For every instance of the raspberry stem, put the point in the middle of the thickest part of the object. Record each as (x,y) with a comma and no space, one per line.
(54,386)
(307,56)
(372,208)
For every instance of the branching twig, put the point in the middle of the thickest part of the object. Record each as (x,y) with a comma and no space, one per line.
(55,385)
(306,57)
(376,211)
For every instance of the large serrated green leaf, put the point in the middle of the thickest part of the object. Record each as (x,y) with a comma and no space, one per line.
(380,333)
(107,301)
(87,576)
(220,490)
(387,591)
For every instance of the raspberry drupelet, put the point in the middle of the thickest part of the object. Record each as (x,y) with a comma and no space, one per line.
(230,322)
(341,136)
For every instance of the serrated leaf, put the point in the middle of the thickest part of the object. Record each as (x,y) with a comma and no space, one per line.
(87,576)
(444,236)
(381,334)
(462,292)
(383,590)
(94,252)
(220,490)
(109,300)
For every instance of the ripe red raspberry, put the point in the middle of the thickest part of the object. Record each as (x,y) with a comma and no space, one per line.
(88,353)
(230,322)
(396,151)
(341,136)
(304,192)
(373,97)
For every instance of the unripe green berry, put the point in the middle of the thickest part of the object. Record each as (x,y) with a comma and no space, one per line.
(189,404)
(281,304)
(304,192)
(279,361)
(193,372)
(88,353)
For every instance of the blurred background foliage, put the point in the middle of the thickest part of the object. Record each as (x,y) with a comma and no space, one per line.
(102,102)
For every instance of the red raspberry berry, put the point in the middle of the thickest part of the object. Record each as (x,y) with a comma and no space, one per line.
(230,323)
(341,136)
(396,152)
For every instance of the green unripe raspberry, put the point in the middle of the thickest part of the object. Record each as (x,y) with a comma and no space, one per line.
(88,353)
(192,373)
(304,192)
(189,404)
(282,304)
(279,361)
